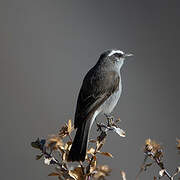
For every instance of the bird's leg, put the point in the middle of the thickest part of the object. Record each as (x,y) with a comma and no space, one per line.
(98,126)
(109,119)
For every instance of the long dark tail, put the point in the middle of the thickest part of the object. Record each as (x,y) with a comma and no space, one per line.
(79,146)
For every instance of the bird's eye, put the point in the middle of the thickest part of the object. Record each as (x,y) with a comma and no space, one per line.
(118,55)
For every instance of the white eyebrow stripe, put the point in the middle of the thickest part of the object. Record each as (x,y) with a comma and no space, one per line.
(115,51)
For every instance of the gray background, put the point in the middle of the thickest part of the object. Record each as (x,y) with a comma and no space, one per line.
(46,47)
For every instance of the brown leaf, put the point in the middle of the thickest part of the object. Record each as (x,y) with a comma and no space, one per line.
(77,173)
(154,148)
(92,140)
(55,142)
(66,129)
(67,146)
(101,172)
(63,132)
(99,175)
(53,174)
(106,154)
(70,127)
(118,120)
(105,168)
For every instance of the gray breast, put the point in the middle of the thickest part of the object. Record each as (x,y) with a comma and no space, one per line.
(111,102)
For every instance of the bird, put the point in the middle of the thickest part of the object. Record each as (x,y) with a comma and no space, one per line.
(99,94)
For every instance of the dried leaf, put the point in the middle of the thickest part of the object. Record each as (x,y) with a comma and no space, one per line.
(77,173)
(66,129)
(63,131)
(91,151)
(53,174)
(99,175)
(106,154)
(123,174)
(49,160)
(54,142)
(67,146)
(38,144)
(119,131)
(105,168)
(39,156)
(70,127)
(92,140)
(161,172)
(118,120)
(101,172)
(153,148)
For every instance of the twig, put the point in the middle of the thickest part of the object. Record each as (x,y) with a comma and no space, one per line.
(142,167)
(82,167)
(160,164)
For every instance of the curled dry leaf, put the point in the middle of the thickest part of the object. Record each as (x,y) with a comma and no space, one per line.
(106,154)
(119,131)
(77,173)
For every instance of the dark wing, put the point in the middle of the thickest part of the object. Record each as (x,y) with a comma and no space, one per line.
(95,90)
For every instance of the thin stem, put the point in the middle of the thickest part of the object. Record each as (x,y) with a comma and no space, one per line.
(165,171)
(82,167)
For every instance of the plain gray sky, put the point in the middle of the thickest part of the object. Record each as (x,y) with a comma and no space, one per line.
(47,46)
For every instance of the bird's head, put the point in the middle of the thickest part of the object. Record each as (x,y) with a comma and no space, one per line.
(114,57)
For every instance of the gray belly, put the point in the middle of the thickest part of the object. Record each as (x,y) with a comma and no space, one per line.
(111,102)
